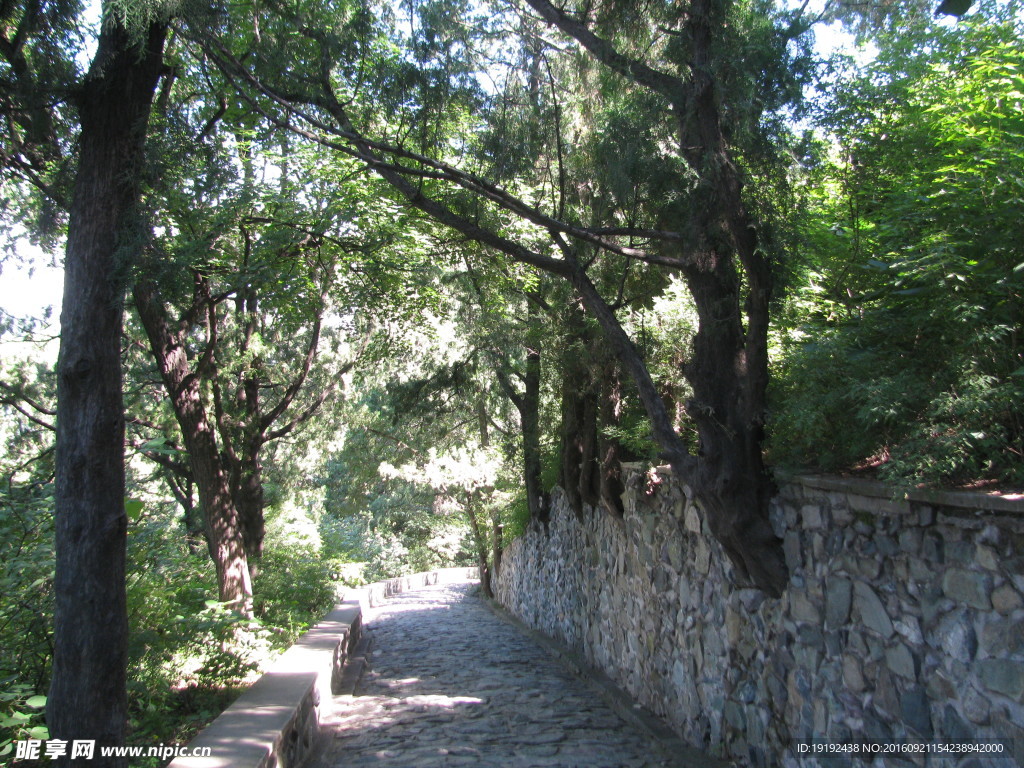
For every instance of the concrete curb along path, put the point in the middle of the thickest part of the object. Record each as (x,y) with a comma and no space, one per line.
(452,683)
(275,722)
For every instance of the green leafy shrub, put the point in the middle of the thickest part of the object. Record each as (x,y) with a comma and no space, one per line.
(517,518)
(912,352)
(293,589)
(189,655)
(21,716)
(26,610)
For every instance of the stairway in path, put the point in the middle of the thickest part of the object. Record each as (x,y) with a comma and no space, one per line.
(449,683)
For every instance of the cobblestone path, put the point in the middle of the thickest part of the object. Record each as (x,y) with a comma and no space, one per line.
(451,684)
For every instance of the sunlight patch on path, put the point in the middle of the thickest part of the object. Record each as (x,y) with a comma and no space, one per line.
(451,684)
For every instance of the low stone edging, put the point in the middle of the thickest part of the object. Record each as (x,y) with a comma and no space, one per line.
(977,502)
(274,723)
(376,593)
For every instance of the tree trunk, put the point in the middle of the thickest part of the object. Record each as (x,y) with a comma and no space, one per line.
(223,528)
(729,369)
(730,480)
(247,492)
(611,452)
(182,486)
(528,406)
(574,391)
(480,542)
(87,691)
(529,417)
(728,477)
(497,546)
(246,473)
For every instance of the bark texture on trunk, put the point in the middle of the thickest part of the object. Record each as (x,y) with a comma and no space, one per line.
(577,427)
(527,404)
(246,480)
(87,697)
(729,368)
(480,543)
(224,536)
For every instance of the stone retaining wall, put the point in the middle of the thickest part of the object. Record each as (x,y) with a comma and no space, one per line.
(903,620)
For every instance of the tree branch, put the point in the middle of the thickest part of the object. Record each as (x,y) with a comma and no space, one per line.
(672,88)
(510,391)
(32,402)
(293,389)
(34,419)
(368,151)
(164,461)
(303,417)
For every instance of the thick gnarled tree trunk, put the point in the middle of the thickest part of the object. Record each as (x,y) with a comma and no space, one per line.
(246,480)
(87,698)
(729,367)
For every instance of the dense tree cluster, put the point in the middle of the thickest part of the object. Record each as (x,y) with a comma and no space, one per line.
(912,275)
(364,281)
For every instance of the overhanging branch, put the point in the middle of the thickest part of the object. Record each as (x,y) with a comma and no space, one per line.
(371,152)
